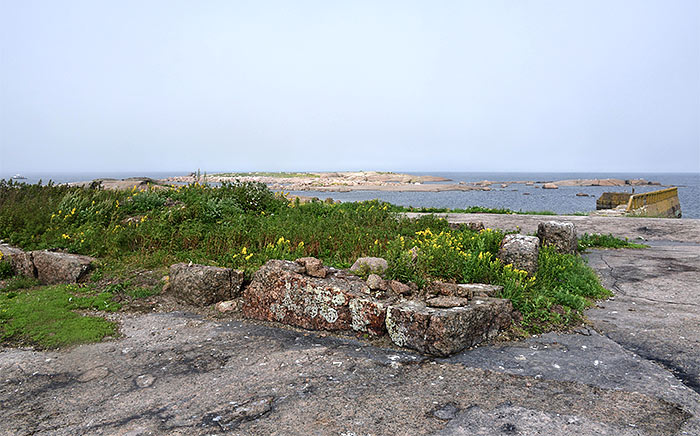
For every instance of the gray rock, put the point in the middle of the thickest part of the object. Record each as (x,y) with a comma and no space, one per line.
(375,265)
(445,301)
(469,290)
(202,285)
(507,419)
(21,262)
(375,283)
(314,267)
(550,186)
(54,267)
(521,251)
(560,235)
(441,332)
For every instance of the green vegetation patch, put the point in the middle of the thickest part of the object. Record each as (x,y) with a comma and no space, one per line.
(47,317)
(471,209)
(605,241)
(242,225)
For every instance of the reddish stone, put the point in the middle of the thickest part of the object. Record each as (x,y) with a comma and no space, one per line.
(280,292)
(314,267)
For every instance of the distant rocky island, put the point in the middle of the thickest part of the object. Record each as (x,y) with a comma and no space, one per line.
(385,181)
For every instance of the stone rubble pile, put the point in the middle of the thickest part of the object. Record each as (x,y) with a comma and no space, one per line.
(440,320)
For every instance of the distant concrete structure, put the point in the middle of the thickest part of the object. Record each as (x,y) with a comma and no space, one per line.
(663,203)
(610,200)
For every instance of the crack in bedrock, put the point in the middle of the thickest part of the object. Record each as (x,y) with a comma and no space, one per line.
(687,378)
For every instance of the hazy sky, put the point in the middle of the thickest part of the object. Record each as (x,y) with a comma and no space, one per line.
(312,85)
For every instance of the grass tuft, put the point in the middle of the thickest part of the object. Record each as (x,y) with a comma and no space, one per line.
(46,317)
(605,241)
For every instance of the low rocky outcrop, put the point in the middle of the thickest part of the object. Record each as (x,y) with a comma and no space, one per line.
(282,291)
(202,285)
(550,186)
(441,331)
(521,251)
(560,235)
(375,265)
(49,267)
(54,267)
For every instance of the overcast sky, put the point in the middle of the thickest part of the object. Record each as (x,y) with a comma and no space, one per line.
(329,85)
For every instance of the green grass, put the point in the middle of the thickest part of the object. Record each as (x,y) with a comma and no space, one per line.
(243,224)
(46,316)
(19,282)
(5,268)
(471,209)
(605,241)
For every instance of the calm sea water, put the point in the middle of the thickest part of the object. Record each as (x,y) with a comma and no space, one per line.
(562,200)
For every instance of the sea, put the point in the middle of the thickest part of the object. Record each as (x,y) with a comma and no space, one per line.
(516,197)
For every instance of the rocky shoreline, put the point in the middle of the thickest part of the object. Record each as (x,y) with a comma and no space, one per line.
(392,182)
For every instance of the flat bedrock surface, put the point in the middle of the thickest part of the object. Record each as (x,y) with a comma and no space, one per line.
(633,372)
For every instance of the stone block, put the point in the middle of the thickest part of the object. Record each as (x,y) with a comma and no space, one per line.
(560,235)
(202,285)
(445,331)
(521,251)
(280,292)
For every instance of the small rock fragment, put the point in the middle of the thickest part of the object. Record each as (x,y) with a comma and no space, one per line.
(375,265)
(226,306)
(314,267)
(446,301)
(400,288)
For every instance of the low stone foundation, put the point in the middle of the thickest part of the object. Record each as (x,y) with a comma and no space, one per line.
(282,291)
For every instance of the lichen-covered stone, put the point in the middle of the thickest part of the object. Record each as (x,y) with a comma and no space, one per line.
(202,285)
(280,292)
(55,267)
(560,235)
(520,251)
(445,331)
(375,265)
